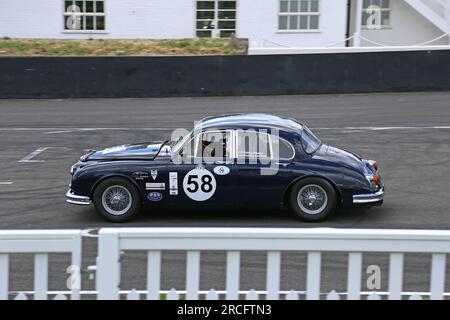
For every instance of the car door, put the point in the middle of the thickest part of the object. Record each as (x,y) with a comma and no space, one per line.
(264,168)
(204,176)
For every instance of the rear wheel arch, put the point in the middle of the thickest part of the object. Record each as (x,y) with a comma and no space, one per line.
(293,182)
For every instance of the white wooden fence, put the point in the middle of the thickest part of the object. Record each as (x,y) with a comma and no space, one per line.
(113,241)
(41,243)
(273,241)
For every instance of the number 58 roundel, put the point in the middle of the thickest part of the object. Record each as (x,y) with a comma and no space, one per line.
(199,184)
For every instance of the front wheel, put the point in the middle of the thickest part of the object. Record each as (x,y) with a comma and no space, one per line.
(312,199)
(117,200)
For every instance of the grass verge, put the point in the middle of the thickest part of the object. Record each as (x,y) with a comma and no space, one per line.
(100,47)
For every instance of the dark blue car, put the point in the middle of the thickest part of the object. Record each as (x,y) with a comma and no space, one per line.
(235,161)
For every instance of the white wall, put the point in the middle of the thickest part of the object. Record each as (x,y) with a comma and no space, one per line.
(258,20)
(408,27)
(163,19)
(30,19)
(124,19)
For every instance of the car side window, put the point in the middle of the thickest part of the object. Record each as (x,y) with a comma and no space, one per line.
(253,145)
(214,144)
(283,148)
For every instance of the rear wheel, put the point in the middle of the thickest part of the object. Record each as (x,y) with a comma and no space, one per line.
(117,200)
(312,199)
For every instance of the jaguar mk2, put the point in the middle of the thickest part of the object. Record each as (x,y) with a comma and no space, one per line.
(238,160)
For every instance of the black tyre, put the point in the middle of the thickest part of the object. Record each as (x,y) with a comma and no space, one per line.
(117,200)
(312,199)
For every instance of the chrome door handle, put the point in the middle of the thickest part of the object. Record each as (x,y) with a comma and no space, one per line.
(283,164)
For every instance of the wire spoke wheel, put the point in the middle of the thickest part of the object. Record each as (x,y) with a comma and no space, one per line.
(116,200)
(312,199)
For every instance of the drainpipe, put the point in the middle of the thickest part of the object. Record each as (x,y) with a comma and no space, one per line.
(358,23)
(349,14)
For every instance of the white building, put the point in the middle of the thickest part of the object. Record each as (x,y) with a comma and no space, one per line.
(292,23)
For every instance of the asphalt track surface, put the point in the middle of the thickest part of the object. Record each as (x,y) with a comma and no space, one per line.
(408,133)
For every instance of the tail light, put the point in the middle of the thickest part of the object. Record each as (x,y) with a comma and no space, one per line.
(376,178)
(371,163)
(375,165)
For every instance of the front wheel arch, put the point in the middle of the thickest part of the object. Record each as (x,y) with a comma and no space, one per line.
(94,187)
(134,202)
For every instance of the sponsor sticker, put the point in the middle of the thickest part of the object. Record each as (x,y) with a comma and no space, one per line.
(199,184)
(173,183)
(154,196)
(154,174)
(139,175)
(155,186)
(221,170)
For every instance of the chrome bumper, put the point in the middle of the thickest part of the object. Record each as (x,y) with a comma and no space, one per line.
(369,198)
(74,199)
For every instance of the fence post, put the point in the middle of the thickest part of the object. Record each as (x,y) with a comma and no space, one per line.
(108,268)
(233,273)
(4,276)
(192,275)
(313,276)
(76,261)
(437,276)
(153,275)
(395,276)
(354,276)
(273,274)
(40,276)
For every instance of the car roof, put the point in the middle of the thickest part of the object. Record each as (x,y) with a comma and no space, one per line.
(248,120)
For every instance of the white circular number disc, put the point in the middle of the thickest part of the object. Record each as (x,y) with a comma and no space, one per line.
(199,184)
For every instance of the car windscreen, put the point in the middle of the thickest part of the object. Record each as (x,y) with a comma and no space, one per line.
(310,142)
(180,142)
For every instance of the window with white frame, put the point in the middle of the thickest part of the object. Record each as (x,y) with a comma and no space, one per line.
(84,15)
(299,15)
(376,14)
(215,18)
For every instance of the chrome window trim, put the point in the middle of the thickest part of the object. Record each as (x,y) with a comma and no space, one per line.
(270,145)
(197,141)
(292,148)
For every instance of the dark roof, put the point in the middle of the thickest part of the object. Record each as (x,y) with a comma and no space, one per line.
(248,120)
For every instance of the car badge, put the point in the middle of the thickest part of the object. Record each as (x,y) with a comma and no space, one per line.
(154,174)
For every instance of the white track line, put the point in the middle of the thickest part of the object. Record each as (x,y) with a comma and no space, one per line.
(29,158)
(351,129)
(58,130)
(6,183)
(105,129)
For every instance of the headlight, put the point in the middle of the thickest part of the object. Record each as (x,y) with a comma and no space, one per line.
(76,166)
